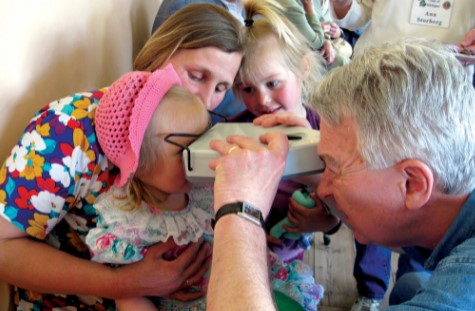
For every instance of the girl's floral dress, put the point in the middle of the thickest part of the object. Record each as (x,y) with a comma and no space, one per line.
(122,236)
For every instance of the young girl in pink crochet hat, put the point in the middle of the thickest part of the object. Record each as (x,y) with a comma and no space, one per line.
(143,122)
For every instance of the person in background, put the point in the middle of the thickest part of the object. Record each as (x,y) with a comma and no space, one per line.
(390,20)
(398,173)
(307,20)
(230,105)
(52,177)
(332,30)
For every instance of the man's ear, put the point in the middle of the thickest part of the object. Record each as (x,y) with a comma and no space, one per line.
(419,181)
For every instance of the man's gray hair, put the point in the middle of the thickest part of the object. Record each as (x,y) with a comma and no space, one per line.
(411,100)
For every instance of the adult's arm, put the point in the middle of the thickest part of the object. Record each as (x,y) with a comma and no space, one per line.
(240,276)
(307,23)
(55,271)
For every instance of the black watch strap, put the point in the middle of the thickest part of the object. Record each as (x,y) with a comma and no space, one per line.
(334,229)
(242,209)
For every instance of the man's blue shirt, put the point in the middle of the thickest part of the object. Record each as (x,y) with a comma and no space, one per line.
(452,262)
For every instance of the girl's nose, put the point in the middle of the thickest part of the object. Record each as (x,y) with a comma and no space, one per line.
(264,99)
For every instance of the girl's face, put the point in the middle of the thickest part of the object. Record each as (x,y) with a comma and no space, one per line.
(274,87)
(207,72)
(180,120)
(168,174)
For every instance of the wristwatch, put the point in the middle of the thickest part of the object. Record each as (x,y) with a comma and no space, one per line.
(242,209)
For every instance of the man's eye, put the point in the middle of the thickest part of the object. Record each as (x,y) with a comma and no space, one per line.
(324,164)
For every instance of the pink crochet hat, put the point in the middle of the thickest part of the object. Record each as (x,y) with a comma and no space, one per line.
(124,112)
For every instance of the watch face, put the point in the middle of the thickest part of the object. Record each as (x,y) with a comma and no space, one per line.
(252,211)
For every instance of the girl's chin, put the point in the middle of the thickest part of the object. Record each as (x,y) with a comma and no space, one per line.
(184,188)
(187,186)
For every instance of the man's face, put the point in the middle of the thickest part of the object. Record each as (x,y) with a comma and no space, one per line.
(366,200)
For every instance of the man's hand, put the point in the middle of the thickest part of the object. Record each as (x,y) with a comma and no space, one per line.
(249,170)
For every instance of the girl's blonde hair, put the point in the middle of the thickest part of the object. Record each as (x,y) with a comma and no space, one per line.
(181,109)
(264,18)
(197,25)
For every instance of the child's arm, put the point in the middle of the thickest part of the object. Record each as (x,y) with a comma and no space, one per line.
(310,219)
(301,197)
(328,52)
(283,118)
(307,22)
(138,303)
(311,181)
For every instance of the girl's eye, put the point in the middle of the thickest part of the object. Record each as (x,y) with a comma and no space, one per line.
(273,84)
(247,89)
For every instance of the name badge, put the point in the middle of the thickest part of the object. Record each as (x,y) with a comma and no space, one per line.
(434,13)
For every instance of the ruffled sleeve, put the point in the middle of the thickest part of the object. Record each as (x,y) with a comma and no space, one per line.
(122,236)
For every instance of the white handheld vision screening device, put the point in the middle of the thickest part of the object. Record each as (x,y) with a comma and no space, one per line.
(301,159)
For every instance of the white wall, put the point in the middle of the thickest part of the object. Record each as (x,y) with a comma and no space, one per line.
(51,48)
